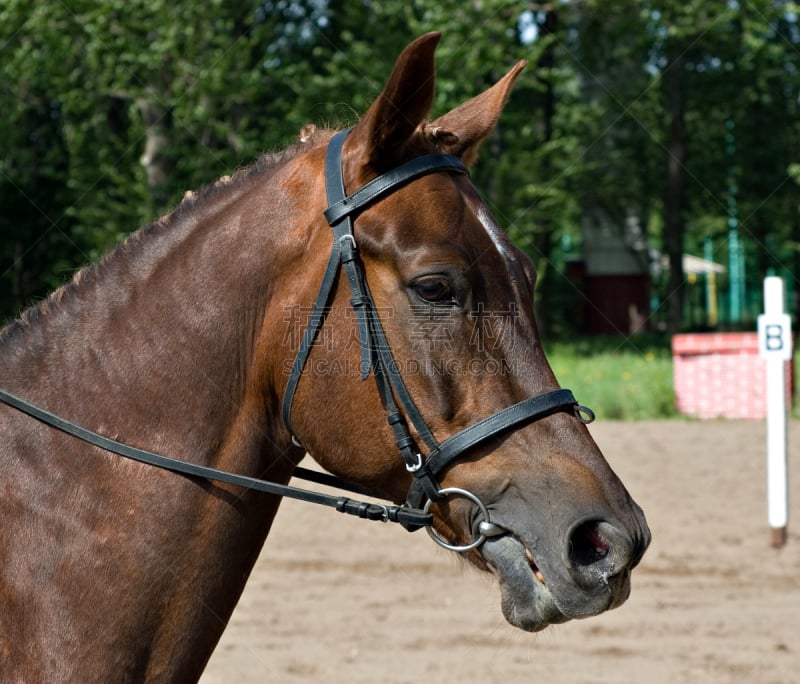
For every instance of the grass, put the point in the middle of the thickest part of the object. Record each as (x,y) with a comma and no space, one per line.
(624,379)
(619,379)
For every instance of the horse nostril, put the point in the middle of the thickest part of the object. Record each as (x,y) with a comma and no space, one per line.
(599,552)
(587,544)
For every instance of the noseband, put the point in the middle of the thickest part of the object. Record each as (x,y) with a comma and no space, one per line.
(376,355)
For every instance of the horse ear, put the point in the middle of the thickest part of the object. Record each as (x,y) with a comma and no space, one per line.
(463,129)
(401,107)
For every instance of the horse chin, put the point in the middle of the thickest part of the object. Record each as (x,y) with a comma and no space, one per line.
(526,600)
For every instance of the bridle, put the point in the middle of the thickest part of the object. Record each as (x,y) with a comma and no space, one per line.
(376,357)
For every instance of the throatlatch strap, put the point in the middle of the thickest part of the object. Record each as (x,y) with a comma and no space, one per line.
(343,254)
(315,322)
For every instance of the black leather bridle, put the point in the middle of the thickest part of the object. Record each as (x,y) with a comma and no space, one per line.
(376,357)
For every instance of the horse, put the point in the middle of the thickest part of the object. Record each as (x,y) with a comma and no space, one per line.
(350,297)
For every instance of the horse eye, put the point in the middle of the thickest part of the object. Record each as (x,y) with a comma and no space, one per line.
(434,290)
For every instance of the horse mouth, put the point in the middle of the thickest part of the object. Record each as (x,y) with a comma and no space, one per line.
(534,568)
(583,584)
(526,599)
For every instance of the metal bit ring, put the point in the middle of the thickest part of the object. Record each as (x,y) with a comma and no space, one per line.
(486,528)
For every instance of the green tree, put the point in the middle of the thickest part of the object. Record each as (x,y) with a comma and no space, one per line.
(667,81)
(113,110)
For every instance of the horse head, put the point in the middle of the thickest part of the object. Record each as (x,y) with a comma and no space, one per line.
(450,307)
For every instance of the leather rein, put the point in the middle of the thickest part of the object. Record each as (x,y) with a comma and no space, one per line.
(376,357)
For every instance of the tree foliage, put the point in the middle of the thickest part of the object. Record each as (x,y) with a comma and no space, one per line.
(113,110)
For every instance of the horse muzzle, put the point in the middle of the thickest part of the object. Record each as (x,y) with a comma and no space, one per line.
(589,573)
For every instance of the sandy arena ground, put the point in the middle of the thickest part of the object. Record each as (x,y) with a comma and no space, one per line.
(338,600)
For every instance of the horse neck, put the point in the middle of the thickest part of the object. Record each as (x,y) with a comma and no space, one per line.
(172,344)
(159,343)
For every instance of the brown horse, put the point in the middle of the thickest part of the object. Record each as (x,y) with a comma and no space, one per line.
(194,338)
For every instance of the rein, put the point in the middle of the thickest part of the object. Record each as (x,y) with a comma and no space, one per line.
(369,511)
(376,357)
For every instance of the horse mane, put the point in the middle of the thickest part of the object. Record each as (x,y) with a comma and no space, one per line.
(307,138)
(188,210)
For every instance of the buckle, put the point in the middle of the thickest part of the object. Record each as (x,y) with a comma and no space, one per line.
(414,467)
(345,238)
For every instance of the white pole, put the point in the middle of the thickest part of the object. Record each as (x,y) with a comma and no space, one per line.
(775,342)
